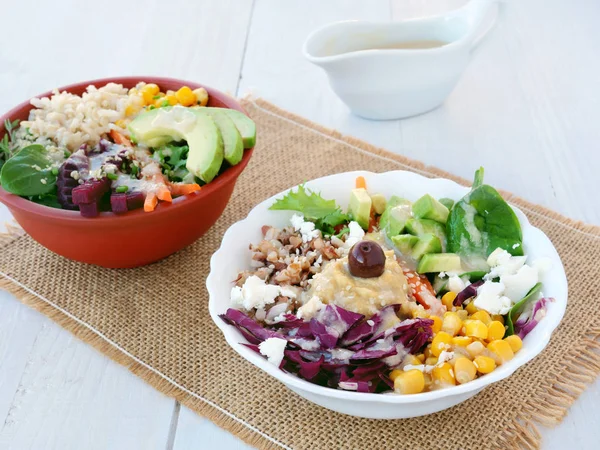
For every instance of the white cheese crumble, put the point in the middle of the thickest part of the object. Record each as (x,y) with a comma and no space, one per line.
(490,298)
(310,308)
(255,293)
(273,349)
(355,234)
(444,356)
(456,284)
(306,229)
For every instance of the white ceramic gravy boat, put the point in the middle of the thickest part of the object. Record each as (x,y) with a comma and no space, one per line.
(379,82)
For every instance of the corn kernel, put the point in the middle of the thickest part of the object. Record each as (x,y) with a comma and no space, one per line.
(171,99)
(498,317)
(483,316)
(515,342)
(475,348)
(431,361)
(437,324)
(500,351)
(439,343)
(443,374)
(463,314)
(464,370)
(148,92)
(395,374)
(410,382)
(421,358)
(185,96)
(427,352)
(131,110)
(448,299)
(471,308)
(201,96)
(121,123)
(451,324)
(484,364)
(411,359)
(461,341)
(420,314)
(495,331)
(476,328)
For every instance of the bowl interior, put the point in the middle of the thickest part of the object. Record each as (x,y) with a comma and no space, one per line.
(216,99)
(233,256)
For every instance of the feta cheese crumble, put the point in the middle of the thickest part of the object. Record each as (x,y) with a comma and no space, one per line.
(306,229)
(310,308)
(255,293)
(355,234)
(273,349)
(490,298)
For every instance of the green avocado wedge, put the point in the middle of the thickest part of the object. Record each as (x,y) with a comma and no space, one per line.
(243,123)
(233,144)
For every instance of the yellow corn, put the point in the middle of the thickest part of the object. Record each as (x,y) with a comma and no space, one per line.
(443,374)
(471,308)
(148,92)
(121,123)
(500,351)
(463,314)
(395,374)
(171,99)
(498,317)
(452,323)
(437,324)
(421,358)
(439,343)
(201,96)
(447,300)
(411,359)
(515,342)
(431,361)
(484,364)
(420,314)
(483,316)
(495,331)
(461,341)
(475,348)
(131,110)
(410,382)
(464,370)
(476,328)
(185,96)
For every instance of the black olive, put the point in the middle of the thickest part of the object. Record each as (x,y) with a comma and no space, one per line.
(366,260)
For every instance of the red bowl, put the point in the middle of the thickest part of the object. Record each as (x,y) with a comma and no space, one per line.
(135,238)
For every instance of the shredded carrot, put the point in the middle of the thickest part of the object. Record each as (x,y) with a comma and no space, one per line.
(183,189)
(361,182)
(164,194)
(120,138)
(150,202)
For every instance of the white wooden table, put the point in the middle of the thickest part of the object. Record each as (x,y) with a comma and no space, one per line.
(526,109)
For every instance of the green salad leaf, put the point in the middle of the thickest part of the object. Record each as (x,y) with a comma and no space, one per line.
(28,172)
(326,214)
(481,222)
(7,143)
(50,199)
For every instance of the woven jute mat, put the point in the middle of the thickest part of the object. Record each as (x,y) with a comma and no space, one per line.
(155,320)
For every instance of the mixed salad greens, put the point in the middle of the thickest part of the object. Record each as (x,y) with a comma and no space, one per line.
(391,294)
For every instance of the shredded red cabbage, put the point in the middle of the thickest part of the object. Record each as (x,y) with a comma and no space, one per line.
(467,293)
(528,321)
(339,348)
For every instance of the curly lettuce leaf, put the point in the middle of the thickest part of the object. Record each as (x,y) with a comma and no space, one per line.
(326,214)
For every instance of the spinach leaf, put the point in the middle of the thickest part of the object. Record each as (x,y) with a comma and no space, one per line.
(49,199)
(28,172)
(481,222)
(518,308)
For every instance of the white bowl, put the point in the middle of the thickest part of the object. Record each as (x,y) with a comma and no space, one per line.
(233,256)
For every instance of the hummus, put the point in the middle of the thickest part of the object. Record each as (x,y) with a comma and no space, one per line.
(366,296)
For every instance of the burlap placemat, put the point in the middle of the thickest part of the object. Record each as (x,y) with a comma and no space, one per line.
(155,320)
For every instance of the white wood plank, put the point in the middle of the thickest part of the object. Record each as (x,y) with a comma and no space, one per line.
(70,396)
(194,431)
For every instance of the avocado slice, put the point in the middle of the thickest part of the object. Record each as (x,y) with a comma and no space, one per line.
(393,219)
(447,202)
(360,207)
(233,145)
(419,227)
(427,243)
(379,203)
(243,123)
(405,243)
(205,156)
(428,207)
(439,262)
